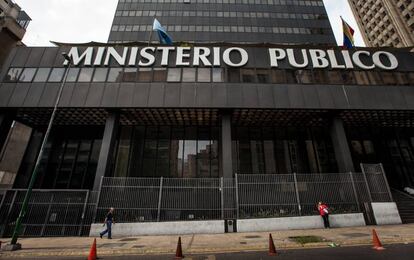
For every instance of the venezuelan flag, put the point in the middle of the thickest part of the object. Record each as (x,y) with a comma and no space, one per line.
(348,35)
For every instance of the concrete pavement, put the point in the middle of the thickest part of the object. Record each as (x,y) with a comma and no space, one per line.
(211,243)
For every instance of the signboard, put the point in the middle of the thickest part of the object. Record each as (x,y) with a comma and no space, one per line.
(232,57)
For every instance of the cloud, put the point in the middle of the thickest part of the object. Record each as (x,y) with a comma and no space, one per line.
(90,20)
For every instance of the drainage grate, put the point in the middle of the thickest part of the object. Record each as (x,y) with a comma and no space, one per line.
(252,237)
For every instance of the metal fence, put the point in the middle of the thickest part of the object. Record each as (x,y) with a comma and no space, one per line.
(71,212)
(50,212)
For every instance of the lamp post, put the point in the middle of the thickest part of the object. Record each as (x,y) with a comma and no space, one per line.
(13,244)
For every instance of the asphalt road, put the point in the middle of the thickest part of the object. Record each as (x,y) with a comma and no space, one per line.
(396,252)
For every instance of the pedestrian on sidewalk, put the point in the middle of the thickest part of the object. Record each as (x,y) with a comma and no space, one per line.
(324,212)
(109,220)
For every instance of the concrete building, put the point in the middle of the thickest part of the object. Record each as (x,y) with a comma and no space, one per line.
(165,133)
(385,22)
(13,24)
(249,21)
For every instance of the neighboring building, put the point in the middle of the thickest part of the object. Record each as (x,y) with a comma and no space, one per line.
(13,24)
(165,133)
(385,22)
(249,21)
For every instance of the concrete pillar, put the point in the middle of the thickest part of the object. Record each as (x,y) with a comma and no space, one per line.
(5,125)
(341,146)
(107,148)
(226,157)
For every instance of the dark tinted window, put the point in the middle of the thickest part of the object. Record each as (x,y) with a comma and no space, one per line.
(144,74)
(160,74)
(115,75)
(130,75)
(42,75)
(27,75)
(57,75)
(73,75)
(85,75)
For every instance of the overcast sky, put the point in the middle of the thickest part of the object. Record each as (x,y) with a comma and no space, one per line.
(90,20)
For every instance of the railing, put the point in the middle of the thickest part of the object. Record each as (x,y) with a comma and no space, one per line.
(50,212)
(71,212)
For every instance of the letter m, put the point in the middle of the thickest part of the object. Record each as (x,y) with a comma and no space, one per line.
(86,55)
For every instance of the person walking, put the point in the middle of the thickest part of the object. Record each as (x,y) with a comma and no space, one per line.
(109,220)
(324,212)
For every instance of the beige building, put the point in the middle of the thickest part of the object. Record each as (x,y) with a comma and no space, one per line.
(385,22)
(13,24)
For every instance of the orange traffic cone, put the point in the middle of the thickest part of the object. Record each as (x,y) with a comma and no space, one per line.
(272,248)
(92,253)
(179,251)
(376,242)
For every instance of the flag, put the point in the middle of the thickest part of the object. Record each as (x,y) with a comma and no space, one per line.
(348,35)
(162,34)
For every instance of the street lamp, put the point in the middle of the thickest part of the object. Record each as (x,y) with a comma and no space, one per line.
(13,244)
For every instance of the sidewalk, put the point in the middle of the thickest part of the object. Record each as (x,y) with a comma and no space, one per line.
(193,244)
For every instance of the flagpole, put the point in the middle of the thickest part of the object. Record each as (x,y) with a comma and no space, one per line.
(152,29)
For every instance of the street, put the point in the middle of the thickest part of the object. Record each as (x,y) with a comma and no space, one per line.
(396,251)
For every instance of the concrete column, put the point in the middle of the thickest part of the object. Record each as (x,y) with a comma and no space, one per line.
(341,146)
(226,157)
(107,148)
(5,125)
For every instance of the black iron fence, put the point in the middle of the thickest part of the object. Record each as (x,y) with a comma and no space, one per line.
(50,212)
(71,212)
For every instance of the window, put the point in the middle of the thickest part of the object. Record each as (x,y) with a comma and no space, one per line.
(144,74)
(42,75)
(85,75)
(278,76)
(73,75)
(130,75)
(361,77)
(160,74)
(203,75)
(262,76)
(13,74)
(189,74)
(248,75)
(304,76)
(114,75)
(27,75)
(233,75)
(100,75)
(218,75)
(57,74)
(174,75)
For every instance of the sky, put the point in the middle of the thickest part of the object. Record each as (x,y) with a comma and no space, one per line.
(80,21)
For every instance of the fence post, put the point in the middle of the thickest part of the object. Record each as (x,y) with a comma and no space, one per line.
(237,195)
(297,193)
(386,182)
(97,199)
(159,199)
(366,182)
(83,213)
(355,191)
(222,197)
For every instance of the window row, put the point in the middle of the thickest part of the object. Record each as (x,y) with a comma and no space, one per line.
(116,75)
(180,13)
(231,75)
(249,2)
(220,28)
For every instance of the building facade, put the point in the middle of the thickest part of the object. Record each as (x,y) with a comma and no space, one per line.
(249,21)
(385,22)
(197,118)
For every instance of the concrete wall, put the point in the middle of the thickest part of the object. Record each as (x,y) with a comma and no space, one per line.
(217,226)
(162,228)
(386,213)
(308,222)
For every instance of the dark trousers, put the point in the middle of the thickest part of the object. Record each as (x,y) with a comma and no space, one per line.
(326,220)
(108,229)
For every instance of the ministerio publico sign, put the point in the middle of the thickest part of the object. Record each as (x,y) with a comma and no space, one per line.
(232,57)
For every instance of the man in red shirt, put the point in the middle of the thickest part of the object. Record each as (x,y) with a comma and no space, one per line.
(324,212)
